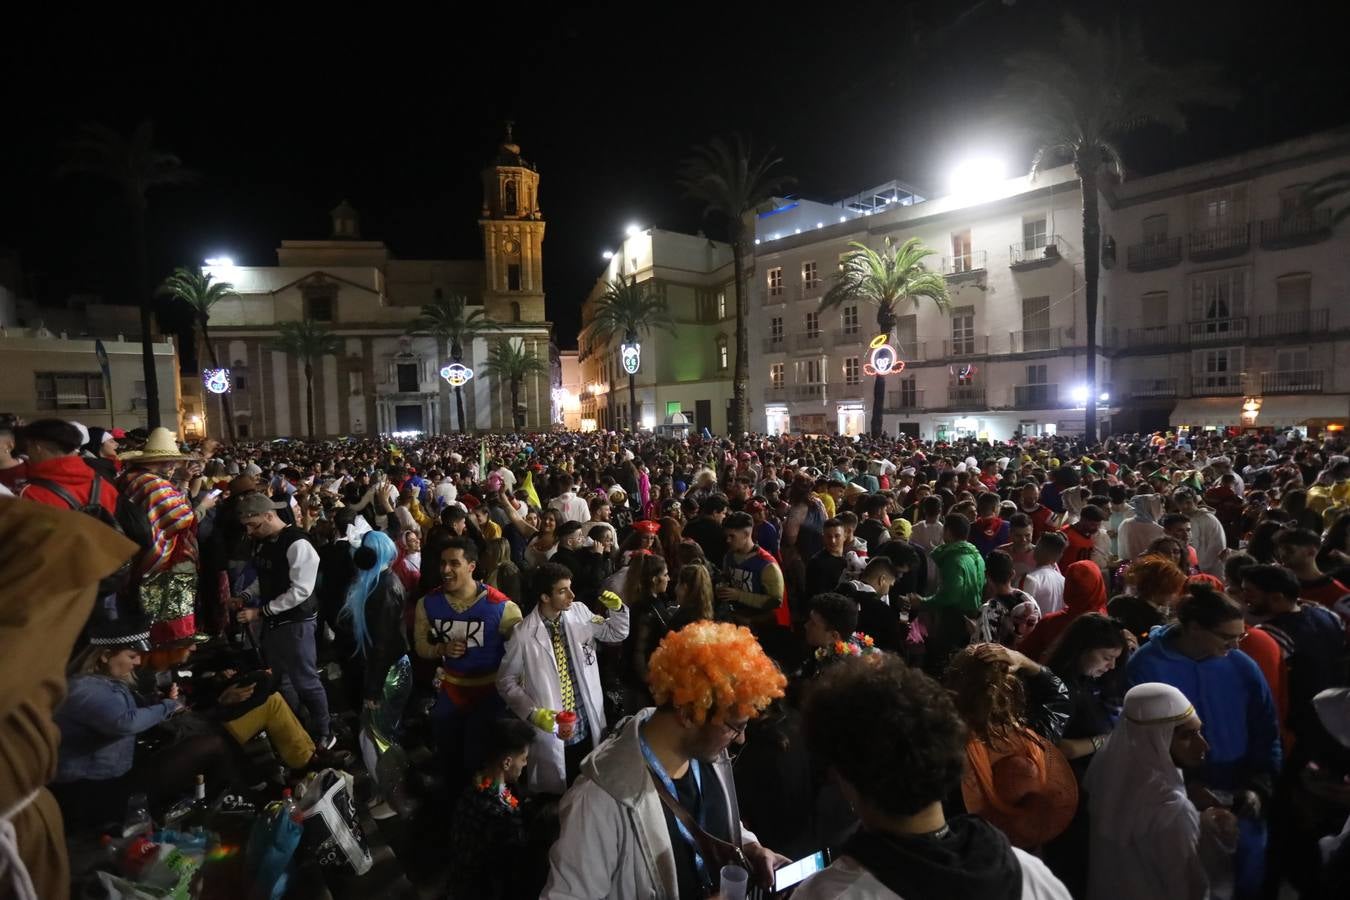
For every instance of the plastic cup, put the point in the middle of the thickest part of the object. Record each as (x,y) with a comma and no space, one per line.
(567,724)
(735,882)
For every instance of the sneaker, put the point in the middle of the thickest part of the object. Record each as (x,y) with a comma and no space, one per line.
(327,742)
(330,759)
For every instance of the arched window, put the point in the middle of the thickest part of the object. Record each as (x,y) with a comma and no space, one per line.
(515,311)
(722,352)
(509,205)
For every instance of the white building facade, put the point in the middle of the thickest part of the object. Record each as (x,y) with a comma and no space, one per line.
(1216,294)
(688,371)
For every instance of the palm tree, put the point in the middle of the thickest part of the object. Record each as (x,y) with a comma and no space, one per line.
(200,291)
(310,342)
(732,182)
(887,279)
(509,361)
(629,311)
(1080,99)
(1335,186)
(134,166)
(450,319)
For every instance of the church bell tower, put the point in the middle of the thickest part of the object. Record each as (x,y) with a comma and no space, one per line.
(513,237)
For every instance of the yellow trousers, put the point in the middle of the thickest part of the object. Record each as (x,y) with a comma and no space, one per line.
(288,737)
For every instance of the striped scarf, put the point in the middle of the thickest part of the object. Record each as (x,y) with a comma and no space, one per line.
(173,525)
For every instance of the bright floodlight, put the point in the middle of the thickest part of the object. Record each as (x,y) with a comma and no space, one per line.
(1104,398)
(224,261)
(976,175)
(632,230)
(1080,395)
(608,254)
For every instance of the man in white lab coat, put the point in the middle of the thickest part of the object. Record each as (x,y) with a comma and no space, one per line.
(550,667)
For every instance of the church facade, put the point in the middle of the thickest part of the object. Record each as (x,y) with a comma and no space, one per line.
(385,380)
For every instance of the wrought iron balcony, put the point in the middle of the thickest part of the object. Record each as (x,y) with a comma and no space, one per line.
(844,337)
(1156,336)
(1214,331)
(1035,339)
(1306,321)
(775,394)
(811,340)
(1294,381)
(1035,396)
(808,392)
(1296,230)
(1153,255)
(966,264)
(903,401)
(1217,384)
(775,344)
(1153,388)
(842,390)
(1033,254)
(976,345)
(774,297)
(965,396)
(1219,242)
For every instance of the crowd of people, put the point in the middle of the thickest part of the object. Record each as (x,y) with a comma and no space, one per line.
(1027,668)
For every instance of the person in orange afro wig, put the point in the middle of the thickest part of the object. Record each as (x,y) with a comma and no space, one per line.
(713,672)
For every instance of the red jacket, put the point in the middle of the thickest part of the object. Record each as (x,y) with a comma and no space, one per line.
(74,475)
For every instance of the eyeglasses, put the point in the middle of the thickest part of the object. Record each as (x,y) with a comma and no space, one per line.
(737,731)
(1228,639)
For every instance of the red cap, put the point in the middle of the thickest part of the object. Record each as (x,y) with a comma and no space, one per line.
(118,433)
(648,526)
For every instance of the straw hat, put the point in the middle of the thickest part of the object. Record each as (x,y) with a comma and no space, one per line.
(160,446)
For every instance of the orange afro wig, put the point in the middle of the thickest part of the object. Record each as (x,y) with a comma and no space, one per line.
(713,671)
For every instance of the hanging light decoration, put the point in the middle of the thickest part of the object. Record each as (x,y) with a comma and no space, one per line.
(217,381)
(884,359)
(631,357)
(457,374)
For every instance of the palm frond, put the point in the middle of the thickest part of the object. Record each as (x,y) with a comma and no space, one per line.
(196,288)
(629,310)
(729,178)
(888,278)
(510,361)
(305,340)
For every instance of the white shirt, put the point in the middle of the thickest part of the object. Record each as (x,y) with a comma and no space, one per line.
(1045,584)
(845,877)
(1209,541)
(570,507)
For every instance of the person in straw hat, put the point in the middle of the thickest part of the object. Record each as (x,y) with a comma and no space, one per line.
(166,573)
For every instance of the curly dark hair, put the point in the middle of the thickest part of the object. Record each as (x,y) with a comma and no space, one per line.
(988,695)
(888,730)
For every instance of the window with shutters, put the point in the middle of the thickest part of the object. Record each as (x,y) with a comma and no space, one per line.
(721,305)
(1293,293)
(722,352)
(1155,229)
(909,393)
(808,372)
(810,275)
(775,278)
(407,377)
(963,331)
(813,324)
(850,319)
(1036,374)
(907,336)
(852,371)
(962,253)
(1153,309)
(1036,324)
(69,390)
(1033,233)
(776,330)
(1219,207)
(1219,295)
(1293,359)
(1220,368)
(776,375)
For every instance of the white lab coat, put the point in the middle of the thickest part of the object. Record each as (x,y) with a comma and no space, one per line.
(1209,541)
(528,680)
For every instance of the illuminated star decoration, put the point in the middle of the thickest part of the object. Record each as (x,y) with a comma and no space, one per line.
(457,374)
(884,359)
(631,356)
(217,381)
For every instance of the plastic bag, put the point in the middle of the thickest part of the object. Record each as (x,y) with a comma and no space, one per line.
(332,830)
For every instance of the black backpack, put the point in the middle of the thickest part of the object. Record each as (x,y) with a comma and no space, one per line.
(109,584)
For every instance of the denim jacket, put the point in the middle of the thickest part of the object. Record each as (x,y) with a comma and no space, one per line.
(99,721)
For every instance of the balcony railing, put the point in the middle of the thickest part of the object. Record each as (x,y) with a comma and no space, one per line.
(1156,335)
(775,394)
(842,390)
(808,341)
(1217,384)
(1219,242)
(911,351)
(1294,381)
(1153,255)
(1211,331)
(1035,339)
(1035,396)
(774,299)
(1030,254)
(808,392)
(843,337)
(1304,321)
(976,345)
(972,263)
(1153,388)
(1296,230)
(775,345)
(904,401)
(969,396)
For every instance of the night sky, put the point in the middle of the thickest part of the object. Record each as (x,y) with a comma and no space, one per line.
(284,119)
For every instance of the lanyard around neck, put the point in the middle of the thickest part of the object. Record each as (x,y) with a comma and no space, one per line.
(660,772)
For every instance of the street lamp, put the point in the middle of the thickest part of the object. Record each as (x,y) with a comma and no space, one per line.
(975,178)
(632,230)
(607,255)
